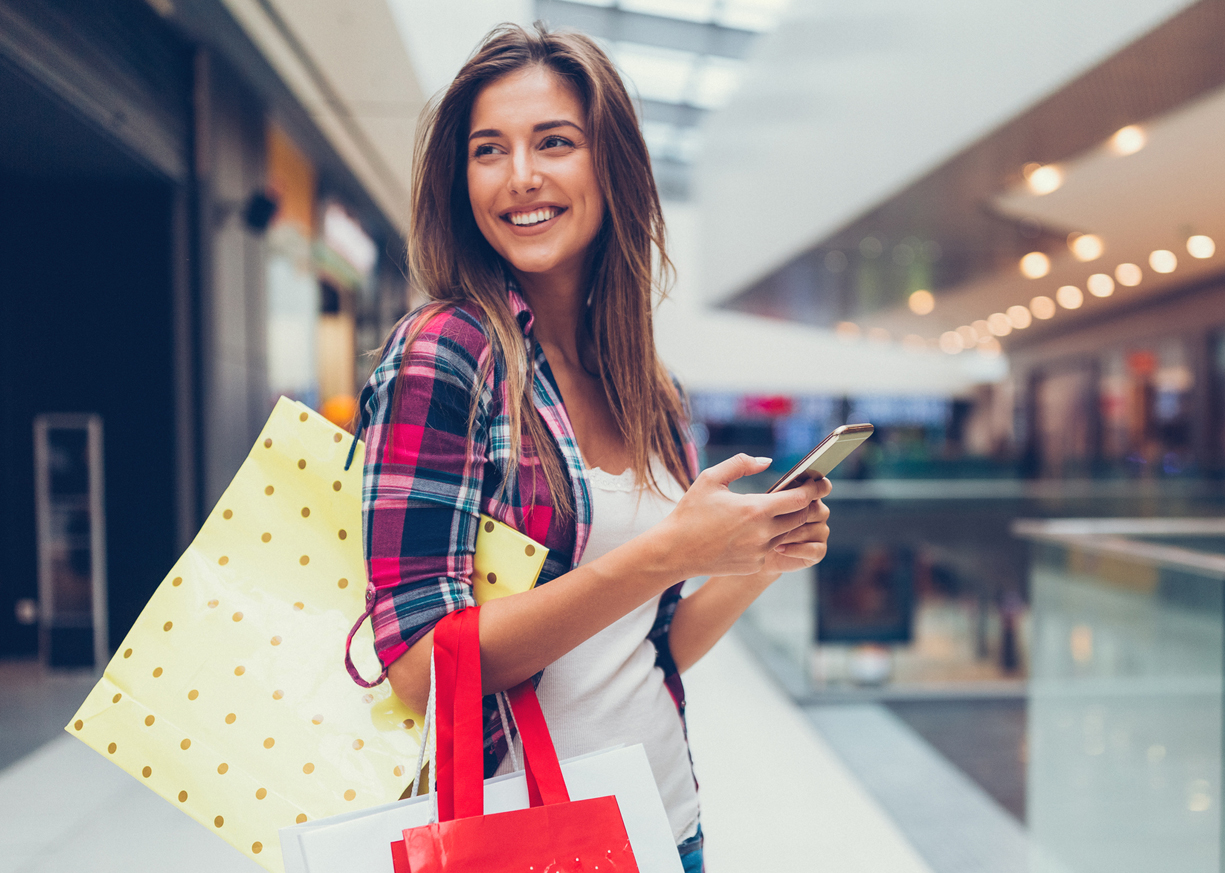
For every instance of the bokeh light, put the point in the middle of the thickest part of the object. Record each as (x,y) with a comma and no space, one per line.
(1129,275)
(921,302)
(950,342)
(1035,265)
(1086,246)
(1128,140)
(1042,179)
(1071,297)
(1163,261)
(847,330)
(1200,246)
(1042,307)
(1019,316)
(1099,285)
(999,323)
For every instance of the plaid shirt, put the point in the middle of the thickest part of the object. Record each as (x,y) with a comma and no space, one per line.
(426,484)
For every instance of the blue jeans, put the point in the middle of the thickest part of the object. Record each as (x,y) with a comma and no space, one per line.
(691,853)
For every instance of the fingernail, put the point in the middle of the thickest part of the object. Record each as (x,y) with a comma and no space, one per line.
(764,460)
(781,549)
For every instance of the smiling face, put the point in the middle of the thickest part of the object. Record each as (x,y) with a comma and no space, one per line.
(531,177)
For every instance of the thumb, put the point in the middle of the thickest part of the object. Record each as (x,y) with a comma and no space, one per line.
(737,466)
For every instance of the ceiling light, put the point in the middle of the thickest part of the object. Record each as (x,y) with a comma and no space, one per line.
(1086,246)
(1163,261)
(1200,246)
(969,337)
(879,335)
(950,342)
(1070,297)
(999,323)
(1099,285)
(1128,140)
(847,330)
(1035,265)
(1128,274)
(1042,179)
(1019,317)
(991,348)
(914,343)
(921,302)
(1042,307)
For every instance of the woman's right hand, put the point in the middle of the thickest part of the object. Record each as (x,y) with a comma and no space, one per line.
(713,531)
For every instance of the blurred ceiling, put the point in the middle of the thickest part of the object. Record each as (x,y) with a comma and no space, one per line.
(683,58)
(961,230)
(845,105)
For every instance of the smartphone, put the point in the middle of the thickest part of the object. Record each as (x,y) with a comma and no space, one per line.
(828,454)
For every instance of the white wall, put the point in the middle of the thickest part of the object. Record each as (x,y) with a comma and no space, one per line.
(440,34)
(717,350)
(846,103)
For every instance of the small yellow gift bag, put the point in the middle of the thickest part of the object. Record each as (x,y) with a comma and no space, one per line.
(229,696)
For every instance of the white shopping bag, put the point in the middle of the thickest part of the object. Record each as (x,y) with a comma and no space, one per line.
(361,841)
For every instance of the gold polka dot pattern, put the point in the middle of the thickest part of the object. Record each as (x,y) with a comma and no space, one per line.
(213,704)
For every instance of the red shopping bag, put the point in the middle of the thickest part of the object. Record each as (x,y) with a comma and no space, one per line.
(553,834)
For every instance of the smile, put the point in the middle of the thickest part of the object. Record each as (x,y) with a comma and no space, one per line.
(534,217)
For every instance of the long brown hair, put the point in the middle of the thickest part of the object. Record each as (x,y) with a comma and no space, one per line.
(451,261)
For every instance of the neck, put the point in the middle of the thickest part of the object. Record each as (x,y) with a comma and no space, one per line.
(557,299)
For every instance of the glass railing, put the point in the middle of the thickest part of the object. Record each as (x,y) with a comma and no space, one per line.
(1125,694)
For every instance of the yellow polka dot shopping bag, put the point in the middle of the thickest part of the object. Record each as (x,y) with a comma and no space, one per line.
(229,696)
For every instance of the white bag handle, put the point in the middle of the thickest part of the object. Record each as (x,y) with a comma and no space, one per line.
(429,737)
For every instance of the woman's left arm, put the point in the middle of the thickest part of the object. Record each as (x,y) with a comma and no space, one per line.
(703,617)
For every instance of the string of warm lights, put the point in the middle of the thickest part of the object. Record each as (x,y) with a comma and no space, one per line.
(983,335)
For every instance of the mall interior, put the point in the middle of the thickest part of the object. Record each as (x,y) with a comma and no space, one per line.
(994,230)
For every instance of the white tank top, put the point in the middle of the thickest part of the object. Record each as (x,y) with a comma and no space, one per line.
(608,691)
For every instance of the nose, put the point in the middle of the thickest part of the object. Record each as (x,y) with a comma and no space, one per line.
(524,174)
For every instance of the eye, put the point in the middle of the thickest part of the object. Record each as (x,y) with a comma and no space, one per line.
(483,150)
(556,141)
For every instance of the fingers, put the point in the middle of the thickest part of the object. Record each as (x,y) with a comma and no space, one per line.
(736,467)
(793,499)
(816,532)
(807,553)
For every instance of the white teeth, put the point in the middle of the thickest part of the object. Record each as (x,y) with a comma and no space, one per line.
(525,219)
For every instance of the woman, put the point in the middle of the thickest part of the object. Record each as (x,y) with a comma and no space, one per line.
(530,390)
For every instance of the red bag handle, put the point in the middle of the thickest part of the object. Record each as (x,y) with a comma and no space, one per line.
(457,668)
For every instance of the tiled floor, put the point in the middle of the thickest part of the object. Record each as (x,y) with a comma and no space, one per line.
(955,826)
(36,704)
(985,738)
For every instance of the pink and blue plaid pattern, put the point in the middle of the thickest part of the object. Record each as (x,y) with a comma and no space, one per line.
(426,484)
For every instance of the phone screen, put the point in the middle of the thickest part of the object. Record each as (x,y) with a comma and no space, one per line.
(828,454)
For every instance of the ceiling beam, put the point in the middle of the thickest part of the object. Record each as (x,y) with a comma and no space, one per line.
(619,25)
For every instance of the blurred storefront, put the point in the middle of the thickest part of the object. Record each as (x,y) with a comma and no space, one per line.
(183,241)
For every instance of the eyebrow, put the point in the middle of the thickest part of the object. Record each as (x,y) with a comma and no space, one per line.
(544,125)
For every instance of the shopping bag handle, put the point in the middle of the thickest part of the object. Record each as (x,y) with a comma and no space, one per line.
(460,725)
